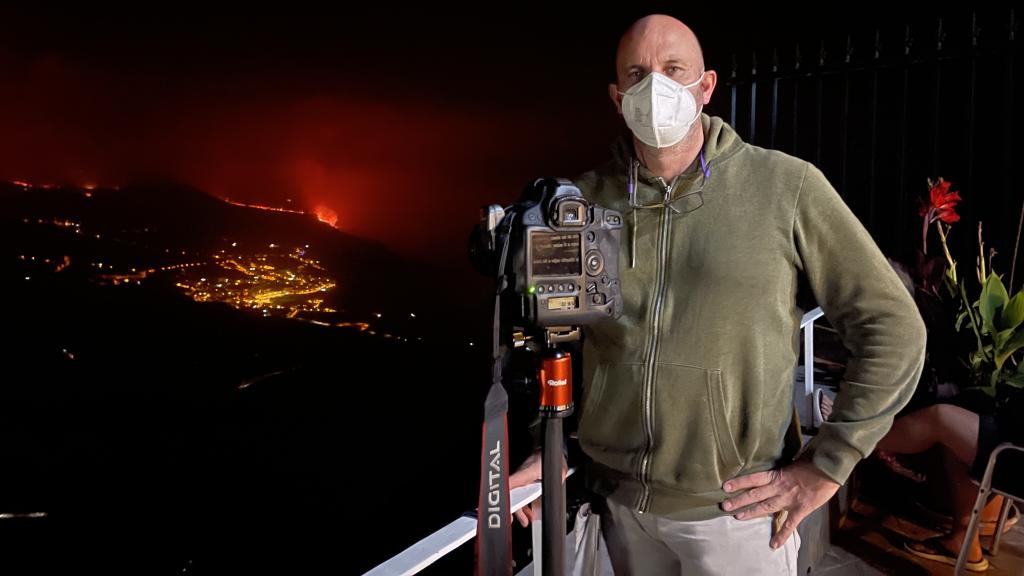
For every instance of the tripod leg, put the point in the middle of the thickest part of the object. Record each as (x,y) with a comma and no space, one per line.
(553,518)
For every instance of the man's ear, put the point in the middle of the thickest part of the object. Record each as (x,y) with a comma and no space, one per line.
(613,93)
(707,84)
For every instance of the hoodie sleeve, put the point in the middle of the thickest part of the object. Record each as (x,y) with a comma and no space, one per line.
(875,316)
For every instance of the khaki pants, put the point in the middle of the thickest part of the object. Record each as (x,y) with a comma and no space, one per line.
(644,544)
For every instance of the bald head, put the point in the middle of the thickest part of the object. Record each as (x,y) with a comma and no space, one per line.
(662,44)
(658,43)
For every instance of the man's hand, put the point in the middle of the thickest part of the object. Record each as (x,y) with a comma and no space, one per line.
(798,488)
(528,473)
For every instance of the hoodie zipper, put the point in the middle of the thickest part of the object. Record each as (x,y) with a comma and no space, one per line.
(644,503)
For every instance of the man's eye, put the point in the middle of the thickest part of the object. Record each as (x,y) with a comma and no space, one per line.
(672,70)
(634,74)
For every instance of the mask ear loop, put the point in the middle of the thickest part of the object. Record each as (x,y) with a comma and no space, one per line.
(700,109)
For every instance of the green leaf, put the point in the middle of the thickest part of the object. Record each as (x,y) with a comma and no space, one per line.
(993,299)
(1016,380)
(1002,337)
(1014,344)
(1013,314)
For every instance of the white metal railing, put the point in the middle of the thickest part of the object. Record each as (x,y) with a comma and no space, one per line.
(433,547)
(430,549)
(807,325)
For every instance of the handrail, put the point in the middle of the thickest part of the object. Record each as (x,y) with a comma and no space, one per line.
(433,547)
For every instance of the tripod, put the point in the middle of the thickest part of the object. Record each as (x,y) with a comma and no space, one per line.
(555,377)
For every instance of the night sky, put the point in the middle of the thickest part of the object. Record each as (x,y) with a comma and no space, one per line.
(402,123)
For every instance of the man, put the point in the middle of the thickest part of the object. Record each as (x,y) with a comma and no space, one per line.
(687,397)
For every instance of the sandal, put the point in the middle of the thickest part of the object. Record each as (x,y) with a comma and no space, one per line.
(893,464)
(933,549)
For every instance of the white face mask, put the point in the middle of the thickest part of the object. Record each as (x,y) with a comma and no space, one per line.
(659,110)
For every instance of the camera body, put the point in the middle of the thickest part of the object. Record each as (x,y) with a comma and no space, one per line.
(562,263)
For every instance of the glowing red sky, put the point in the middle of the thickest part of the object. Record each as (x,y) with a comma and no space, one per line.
(402,127)
(405,159)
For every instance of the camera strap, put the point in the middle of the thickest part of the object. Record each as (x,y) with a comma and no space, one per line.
(494,515)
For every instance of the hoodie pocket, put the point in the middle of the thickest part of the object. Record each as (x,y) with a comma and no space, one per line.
(610,425)
(695,450)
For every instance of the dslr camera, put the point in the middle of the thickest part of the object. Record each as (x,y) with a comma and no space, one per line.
(558,254)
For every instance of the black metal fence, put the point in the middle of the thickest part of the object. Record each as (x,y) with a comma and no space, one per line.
(881,110)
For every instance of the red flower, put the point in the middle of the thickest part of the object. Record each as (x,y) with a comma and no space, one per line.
(940,206)
(943,202)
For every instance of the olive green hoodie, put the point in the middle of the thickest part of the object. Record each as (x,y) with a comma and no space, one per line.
(693,385)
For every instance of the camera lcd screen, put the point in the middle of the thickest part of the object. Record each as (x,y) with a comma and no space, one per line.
(554,254)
